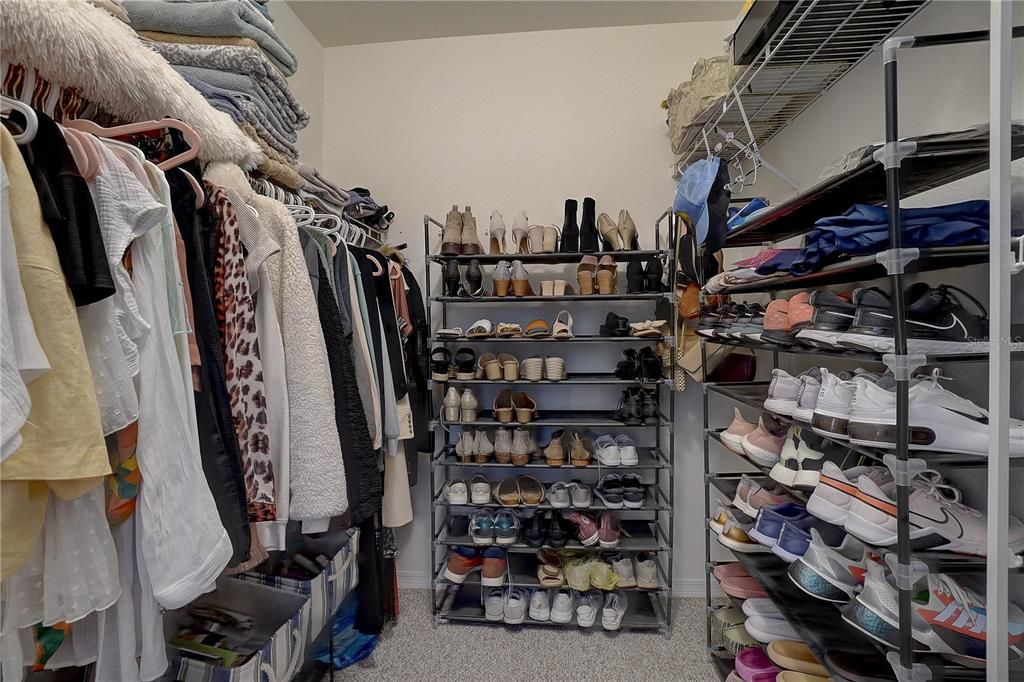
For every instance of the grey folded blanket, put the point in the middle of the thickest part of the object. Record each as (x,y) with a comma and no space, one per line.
(213,18)
(275,101)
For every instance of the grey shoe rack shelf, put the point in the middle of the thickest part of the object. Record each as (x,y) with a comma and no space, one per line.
(650,528)
(817,622)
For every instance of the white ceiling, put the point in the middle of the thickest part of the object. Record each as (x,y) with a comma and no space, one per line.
(344,22)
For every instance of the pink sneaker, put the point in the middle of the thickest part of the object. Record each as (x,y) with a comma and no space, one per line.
(764,444)
(776,323)
(800,312)
(739,427)
(751,496)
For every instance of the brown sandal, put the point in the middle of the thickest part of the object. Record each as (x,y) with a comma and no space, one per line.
(554,452)
(579,449)
(537,328)
(525,407)
(585,274)
(507,493)
(531,491)
(503,409)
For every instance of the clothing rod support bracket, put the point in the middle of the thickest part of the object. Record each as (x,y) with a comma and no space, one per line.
(903,472)
(891,154)
(892,46)
(895,260)
(903,366)
(906,575)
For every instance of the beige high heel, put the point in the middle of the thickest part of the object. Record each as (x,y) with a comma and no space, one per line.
(627,231)
(606,275)
(551,234)
(520,233)
(509,367)
(561,288)
(547,288)
(535,238)
(609,231)
(497,234)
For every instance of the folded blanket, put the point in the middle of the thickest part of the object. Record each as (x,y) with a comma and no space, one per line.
(276,103)
(162,37)
(214,18)
(312,175)
(259,5)
(219,99)
(244,61)
(112,7)
(286,144)
(270,152)
(281,174)
(70,42)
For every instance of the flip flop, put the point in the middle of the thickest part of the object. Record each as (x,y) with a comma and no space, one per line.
(531,491)
(507,493)
(562,328)
(453,333)
(536,328)
(481,329)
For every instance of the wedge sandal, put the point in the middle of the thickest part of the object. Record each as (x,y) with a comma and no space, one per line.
(562,327)
(579,449)
(554,452)
(532,368)
(525,407)
(606,275)
(585,274)
(503,410)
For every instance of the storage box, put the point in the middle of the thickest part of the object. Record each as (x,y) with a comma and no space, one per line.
(327,590)
(280,626)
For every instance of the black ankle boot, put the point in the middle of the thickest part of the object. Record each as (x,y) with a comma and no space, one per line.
(570,229)
(628,369)
(652,276)
(649,407)
(589,238)
(474,279)
(650,365)
(452,278)
(635,277)
(630,411)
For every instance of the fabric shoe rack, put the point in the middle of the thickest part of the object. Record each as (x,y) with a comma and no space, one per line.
(901,167)
(647,529)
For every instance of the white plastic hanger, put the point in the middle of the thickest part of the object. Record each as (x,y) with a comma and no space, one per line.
(31,120)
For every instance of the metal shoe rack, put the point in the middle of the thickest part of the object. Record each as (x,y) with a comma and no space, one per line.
(899,168)
(648,529)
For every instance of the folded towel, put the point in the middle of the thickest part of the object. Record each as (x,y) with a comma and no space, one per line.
(221,100)
(313,176)
(259,5)
(162,37)
(70,42)
(244,61)
(214,18)
(270,152)
(287,144)
(275,103)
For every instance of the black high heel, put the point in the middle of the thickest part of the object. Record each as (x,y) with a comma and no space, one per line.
(474,279)
(452,278)
(570,229)
(652,276)
(635,277)
(588,227)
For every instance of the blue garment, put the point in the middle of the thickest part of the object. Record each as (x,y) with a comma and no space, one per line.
(780,262)
(864,229)
(742,215)
(692,194)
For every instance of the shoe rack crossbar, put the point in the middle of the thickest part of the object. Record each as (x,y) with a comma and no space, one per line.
(892,265)
(648,529)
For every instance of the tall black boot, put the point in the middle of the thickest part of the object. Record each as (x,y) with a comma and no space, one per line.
(589,240)
(570,230)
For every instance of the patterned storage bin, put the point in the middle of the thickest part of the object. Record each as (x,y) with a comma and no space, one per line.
(327,590)
(280,621)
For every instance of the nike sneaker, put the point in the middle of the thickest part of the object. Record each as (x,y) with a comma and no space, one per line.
(836,489)
(795,538)
(947,617)
(831,573)
(938,321)
(751,496)
(938,518)
(710,317)
(801,459)
(807,395)
(770,521)
(831,413)
(939,419)
(833,314)
(782,392)
(729,315)
(751,324)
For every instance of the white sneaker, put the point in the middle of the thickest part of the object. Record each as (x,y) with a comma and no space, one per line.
(558,495)
(646,571)
(456,492)
(586,609)
(807,395)
(515,605)
(540,606)
(627,450)
(582,497)
(939,420)
(614,610)
(607,451)
(479,490)
(562,606)
(836,489)
(800,462)
(623,567)
(831,412)
(782,393)
(938,519)
(494,604)
(766,630)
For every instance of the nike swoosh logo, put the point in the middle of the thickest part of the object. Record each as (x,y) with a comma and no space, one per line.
(953,323)
(946,520)
(829,312)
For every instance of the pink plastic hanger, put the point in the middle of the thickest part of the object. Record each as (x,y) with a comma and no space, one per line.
(195,142)
(87,158)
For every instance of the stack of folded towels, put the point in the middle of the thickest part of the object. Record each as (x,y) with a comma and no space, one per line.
(230,52)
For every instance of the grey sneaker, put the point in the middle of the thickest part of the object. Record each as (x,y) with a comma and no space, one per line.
(646,571)
(558,495)
(587,606)
(515,605)
(540,606)
(614,610)
(623,567)
(581,496)
(494,604)
(563,606)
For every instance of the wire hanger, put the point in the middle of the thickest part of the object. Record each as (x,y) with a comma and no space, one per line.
(31,119)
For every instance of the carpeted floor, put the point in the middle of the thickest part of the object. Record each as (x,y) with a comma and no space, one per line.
(416,650)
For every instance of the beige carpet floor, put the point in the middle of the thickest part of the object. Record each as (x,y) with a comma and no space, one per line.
(416,650)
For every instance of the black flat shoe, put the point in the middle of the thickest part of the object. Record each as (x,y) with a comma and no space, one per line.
(536,532)
(452,278)
(589,238)
(652,276)
(614,325)
(570,229)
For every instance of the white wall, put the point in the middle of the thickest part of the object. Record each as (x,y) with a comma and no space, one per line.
(521,121)
(308,82)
